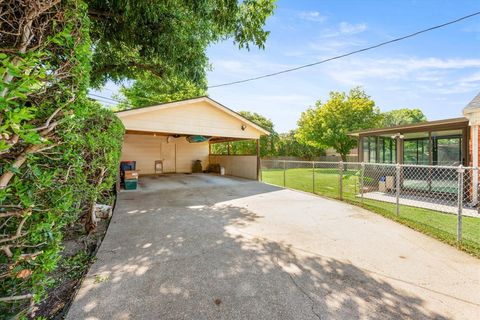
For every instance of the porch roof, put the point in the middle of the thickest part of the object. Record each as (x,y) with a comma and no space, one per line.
(444,124)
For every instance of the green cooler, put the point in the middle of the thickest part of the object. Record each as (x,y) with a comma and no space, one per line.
(131,184)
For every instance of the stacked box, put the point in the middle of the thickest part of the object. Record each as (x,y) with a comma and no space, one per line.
(131,180)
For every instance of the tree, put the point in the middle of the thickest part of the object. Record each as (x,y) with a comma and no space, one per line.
(149,90)
(289,146)
(267,143)
(169,38)
(402,116)
(327,124)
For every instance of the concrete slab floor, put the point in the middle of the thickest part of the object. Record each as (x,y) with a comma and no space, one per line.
(210,247)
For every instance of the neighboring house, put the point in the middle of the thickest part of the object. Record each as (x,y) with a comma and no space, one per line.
(331,152)
(169,137)
(442,142)
(449,142)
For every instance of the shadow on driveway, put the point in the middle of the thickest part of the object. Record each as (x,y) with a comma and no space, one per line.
(170,254)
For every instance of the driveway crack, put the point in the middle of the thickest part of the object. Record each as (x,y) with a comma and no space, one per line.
(301,289)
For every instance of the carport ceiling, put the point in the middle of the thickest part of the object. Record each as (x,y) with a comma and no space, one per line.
(198,116)
(168,134)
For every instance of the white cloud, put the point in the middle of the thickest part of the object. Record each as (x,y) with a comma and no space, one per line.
(429,69)
(475,77)
(347,28)
(439,76)
(312,16)
(333,46)
(231,66)
(344,29)
(254,65)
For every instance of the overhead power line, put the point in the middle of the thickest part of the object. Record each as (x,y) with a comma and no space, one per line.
(105,98)
(411,35)
(97,97)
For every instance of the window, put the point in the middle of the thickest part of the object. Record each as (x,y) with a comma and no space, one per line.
(448,151)
(416,151)
(387,150)
(379,149)
(373,149)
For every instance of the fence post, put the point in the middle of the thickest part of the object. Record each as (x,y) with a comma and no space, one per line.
(362,182)
(398,169)
(284,169)
(460,171)
(313,176)
(340,180)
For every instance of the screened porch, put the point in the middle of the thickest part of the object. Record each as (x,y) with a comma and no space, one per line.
(423,148)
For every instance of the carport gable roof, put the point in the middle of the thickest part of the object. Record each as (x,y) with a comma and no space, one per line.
(124,114)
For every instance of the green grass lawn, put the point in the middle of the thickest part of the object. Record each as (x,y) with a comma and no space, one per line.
(436,224)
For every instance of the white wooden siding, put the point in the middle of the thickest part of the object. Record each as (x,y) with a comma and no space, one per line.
(197,118)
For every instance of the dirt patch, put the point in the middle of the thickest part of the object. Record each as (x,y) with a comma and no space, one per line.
(78,255)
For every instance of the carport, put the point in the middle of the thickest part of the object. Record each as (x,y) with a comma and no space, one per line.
(169,137)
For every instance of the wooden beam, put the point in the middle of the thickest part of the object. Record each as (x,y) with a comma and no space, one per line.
(258,159)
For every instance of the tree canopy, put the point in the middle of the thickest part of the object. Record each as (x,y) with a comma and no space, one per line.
(267,143)
(327,124)
(289,146)
(402,116)
(169,38)
(148,90)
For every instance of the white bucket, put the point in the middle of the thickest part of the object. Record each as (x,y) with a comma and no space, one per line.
(222,171)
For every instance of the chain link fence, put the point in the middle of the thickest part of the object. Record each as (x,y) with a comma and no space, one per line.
(441,198)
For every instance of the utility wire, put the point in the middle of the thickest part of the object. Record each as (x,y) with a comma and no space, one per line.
(318,62)
(111,101)
(105,98)
(347,54)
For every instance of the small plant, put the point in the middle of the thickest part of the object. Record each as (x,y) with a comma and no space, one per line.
(76,264)
(101,278)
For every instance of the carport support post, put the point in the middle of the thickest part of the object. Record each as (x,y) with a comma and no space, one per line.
(284,170)
(259,164)
(340,179)
(460,171)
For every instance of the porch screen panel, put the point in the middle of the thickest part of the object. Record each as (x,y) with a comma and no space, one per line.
(373,149)
(416,151)
(387,150)
(448,151)
(410,152)
(366,149)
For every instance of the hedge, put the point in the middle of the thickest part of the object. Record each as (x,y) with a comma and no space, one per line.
(59,150)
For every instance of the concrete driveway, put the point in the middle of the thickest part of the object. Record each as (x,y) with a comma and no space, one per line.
(209,247)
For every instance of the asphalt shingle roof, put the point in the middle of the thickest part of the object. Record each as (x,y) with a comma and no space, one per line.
(474,104)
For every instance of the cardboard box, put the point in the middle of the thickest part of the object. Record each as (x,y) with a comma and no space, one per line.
(131,174)
(390,182)
(382,186)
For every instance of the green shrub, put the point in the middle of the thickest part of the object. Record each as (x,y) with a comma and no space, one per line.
(59,150)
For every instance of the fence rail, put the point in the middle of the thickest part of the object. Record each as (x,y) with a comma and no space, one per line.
(401,187)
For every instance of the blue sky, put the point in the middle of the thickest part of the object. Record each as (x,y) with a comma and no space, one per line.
(438,72)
